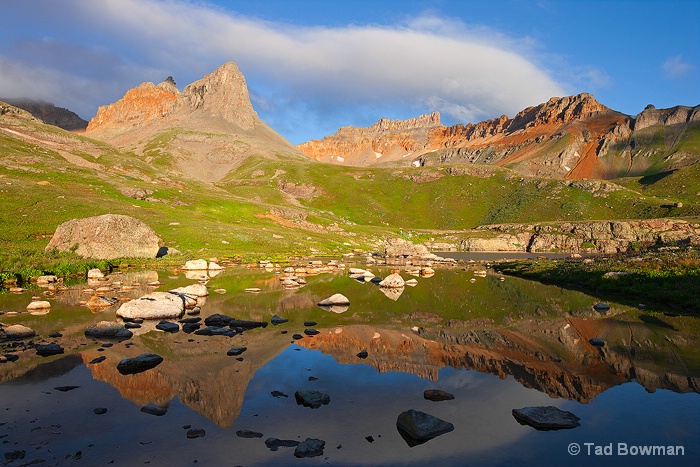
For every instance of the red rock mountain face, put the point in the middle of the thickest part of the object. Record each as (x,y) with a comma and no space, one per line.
(203,132)
(573,137)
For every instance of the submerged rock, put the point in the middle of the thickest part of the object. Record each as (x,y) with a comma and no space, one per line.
(168,326)
(274,443)
(153,410)
(546,417)
(108,329)
(421,426)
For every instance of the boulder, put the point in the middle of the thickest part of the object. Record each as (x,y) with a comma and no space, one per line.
(213,266)
(197,290)
(396,247)
(38,305)
(46,350)
(392,281)
(336,299)
(156,305)
(138,364)
(196,265)
(437,395)
(108,329)
(18,331)
(420,426)
(546,417)
(108,236)
(95,274)
(168,326)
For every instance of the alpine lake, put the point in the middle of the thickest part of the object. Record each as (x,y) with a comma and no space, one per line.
(631,374)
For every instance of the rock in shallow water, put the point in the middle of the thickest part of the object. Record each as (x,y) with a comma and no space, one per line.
(143,362)
(47,350)
(310,447)
(18,331)
(313,399)
(108,329)
(273,443)
(336,299)
(437,395)
(421,426)
(546,417)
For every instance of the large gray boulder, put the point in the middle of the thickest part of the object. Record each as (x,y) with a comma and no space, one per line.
(421,426)
(108,236)
(155,305)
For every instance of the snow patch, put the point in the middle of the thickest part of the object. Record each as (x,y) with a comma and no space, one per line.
(378,154)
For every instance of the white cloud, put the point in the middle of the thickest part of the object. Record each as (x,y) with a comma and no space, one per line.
(676,68)
(465,72)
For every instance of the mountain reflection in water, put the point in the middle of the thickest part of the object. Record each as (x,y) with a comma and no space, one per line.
(539,335)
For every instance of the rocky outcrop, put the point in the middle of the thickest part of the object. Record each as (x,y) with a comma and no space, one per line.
(579,237)
(49,113)
(108,236)
(569,137)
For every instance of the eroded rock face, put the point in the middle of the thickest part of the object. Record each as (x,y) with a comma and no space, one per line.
(108,236)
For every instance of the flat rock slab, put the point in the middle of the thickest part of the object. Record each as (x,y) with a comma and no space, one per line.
(153,410)
(273,444)
(108,329)
(313,399)
(143,362)
(437,395)
(546,417)
(392,280)
(168,326)
(236,351)
(421,426)
(156,305)
(310,447)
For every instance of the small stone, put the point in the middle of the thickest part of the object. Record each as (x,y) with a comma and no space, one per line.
(273,443)
(601,307)
(437,395)
(248,434)
(336,299)
(55,335)
(153,410)
(311,332)
(100,411)
(236,351)
(420,426)
(310,324)
(310,447)
(277,320)
(19,331)
(312,399)
(297,336)
(66,388)
(98,360)
(138,364)
(362,354)
(39,305)
(168,326)
(278,394)
(597,342)
(196,433)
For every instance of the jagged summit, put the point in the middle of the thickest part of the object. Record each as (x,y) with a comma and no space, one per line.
(211,125)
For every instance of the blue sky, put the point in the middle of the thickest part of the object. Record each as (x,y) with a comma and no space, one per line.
(314,66)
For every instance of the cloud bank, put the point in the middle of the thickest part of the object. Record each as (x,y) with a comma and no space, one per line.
(302,79)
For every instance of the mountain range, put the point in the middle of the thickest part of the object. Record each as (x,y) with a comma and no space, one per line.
(208,175)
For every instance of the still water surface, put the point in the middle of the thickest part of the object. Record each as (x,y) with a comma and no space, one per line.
(495,345)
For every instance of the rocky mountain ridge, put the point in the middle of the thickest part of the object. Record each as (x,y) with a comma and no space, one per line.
(49,113)
(573,137)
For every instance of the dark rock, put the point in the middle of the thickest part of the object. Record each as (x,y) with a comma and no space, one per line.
(55,335)
(601,307)
(107,345)
(437,395)
(47,350)
(596,341)
(189,328)
(277,320)
(248,434)
(218,320)
(131,325)
(243,324)
(98,360)
(284,331)
(15,455)
(311,332)
(11,357)
(362,354)
(66,388)
(370,439)
(278,394)
(421,426)
(236,351)
(153,410)
(196,433)
(310,447)
(168,326)
(310,324)
(216,331)
(313,378)
(273,443)
(297,336)
(313,399)
(143,362)
(190,320)
(100,411)
(546,417)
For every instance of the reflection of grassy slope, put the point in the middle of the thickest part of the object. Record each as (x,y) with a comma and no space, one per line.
(668,279)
